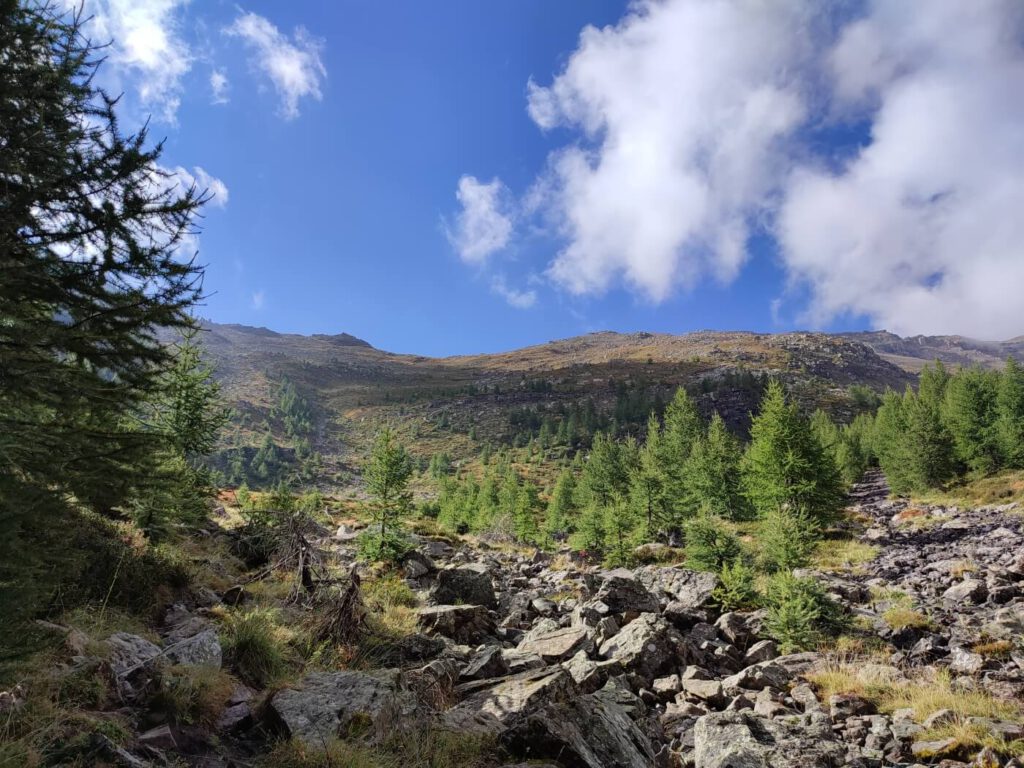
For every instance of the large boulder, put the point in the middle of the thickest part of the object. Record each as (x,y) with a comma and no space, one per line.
(690,589)
(557,644)
(649,646)
(133,661)
(461,623)
(200,649)
(325,705)
(622,593)
(542,714)
(468,585)
(740,739)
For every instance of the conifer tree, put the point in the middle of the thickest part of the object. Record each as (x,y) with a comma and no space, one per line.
(928,447)
(647,482)
(784,463)
(1010,414)
(683,427)
(387,476)
(621,533)
(561,507)
(889,439)
(712,473)
(969,412)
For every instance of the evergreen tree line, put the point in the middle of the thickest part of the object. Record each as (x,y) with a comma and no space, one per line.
(623,493)
(968,422)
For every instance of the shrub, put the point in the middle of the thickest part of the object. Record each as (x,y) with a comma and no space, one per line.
(737,589)
(710,544)
(800,614)
(390,547)
(254,645)
(788,538)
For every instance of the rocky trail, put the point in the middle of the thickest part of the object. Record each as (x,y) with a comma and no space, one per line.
(569,665)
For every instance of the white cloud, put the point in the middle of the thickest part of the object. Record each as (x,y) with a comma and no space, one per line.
(258,299)
(682,108)
(293,65)
(694,124)
(203,182)
(922,231)
(514,297)
(219,87)
(484,225)
(148,57)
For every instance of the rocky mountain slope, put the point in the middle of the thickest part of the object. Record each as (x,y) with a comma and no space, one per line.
(914,352)
(457,404)
(563,664)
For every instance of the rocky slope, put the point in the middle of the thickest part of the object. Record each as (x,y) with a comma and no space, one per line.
(457,404)
(564,664)
(914,352)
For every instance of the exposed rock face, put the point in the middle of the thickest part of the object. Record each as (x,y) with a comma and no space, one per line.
(690,589)
(461,623)
(648,645)
(468,585)
(132,660)
(743,740)
(325,704)
(202,648)
(558,644)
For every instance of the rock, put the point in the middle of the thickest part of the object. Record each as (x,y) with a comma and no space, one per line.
(325,705)
(733,627)
(692,589)
(767,674)
(101,748)
(461,623)
(468,584)
(590,675)
(667,687)
(965,662)
(591,731)
(346,533)
(648,645)
(132,661)
(544,607)
(842,706)
(939,718)
(705,690)
(521,661)
(762,650)
(556,645)
(201,649)
(486,664)
(740,739)
(415,564)
(967,591)
(498,707)
(939,748)
(234,716)
(622,593)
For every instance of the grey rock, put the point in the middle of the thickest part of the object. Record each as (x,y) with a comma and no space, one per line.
(486,664)
(967,591)
(741,739)
(324,704)
(648,645)
(554,645)
(965,662)
(692,589)
(201,649)
(416,565)
(468,584)
(622,593)
(461,623)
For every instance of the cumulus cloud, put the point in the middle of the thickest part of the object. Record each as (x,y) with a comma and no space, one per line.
(218,87)
(293,65)
(682,108)
(922,230)
(519,299)
(484,225)
(149,56)
(694,124)
(203,182)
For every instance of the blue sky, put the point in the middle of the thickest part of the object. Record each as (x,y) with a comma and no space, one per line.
(690,166)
